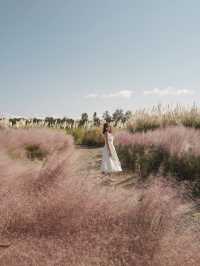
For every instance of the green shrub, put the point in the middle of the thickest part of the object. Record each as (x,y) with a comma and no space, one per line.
(89,137)
(147,160)
(127,157)
(34,151)
(93,137)
(77,133)
(143,124)
(191,120)
(141,159)
(186,167)
(172,151)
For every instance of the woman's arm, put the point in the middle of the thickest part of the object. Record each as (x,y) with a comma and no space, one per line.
(106,140)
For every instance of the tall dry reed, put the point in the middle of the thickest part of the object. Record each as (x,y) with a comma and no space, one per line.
(164,116)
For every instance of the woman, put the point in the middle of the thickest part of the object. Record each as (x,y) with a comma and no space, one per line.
(110,161)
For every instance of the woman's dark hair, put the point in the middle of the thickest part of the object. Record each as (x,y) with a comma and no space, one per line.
(105,126)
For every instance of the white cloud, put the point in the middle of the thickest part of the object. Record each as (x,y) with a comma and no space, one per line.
(91,95)
(169,91)
(119,94)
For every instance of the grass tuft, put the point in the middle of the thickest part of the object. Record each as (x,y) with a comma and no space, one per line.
(33,151)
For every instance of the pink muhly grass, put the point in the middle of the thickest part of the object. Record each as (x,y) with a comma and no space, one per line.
(54,217)
(175,140)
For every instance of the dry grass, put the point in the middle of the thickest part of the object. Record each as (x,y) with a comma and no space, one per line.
(53,217)
(164,116)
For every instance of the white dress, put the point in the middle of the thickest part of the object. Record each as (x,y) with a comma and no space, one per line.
(110,163)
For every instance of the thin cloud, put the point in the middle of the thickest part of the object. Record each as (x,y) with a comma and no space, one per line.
(169,91)
(91,96)
(119,94)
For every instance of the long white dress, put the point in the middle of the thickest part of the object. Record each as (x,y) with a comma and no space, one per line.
(110,163)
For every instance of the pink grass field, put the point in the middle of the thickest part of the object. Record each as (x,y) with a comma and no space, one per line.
(50,216)
(175,139)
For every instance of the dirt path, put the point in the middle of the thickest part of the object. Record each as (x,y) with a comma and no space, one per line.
(90,161)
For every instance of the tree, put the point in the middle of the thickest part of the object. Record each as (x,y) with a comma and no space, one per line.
(13,121)
(36,120)
(50,121)
(84,119)
(96,120)
(107,116)
(118,116)
(127,116)
(63,122)
(94,116)
(64,119)
(71,122)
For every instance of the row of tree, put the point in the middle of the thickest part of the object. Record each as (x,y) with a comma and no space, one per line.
(119,116)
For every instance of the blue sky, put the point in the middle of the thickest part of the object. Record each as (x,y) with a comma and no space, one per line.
(66,57)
